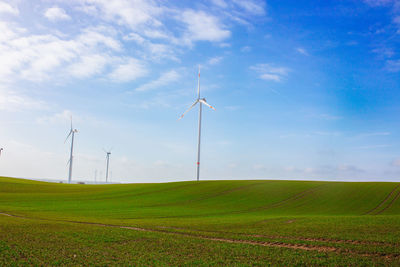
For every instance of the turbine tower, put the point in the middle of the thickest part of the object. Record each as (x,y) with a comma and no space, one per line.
(201,101)
(1,149)
(72,134)
(108,153)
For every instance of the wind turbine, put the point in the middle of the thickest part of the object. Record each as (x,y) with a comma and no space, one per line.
(108,153)
(199,101)
(72,134)
(1,149)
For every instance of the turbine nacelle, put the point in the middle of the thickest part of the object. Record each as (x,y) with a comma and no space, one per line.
(201,101)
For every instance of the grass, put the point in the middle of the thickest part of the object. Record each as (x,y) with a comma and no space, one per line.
(200,223)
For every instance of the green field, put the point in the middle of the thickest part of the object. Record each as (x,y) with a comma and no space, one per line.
(257,222)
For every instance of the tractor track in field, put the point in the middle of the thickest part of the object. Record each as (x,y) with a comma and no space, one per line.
(375,210)
(305,247)
(390,204)
(151,192)
(225,192)
(280,203)
(312,239)
(295,197)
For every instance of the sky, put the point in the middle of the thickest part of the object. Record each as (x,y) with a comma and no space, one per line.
(302,89)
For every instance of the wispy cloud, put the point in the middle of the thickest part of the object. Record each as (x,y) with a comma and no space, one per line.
(373,146)
(396,163)
(7,8)
(270,73)
(42,57)
(251,6)
(302,51)
(373,134)
(379,2)
(88,66)
(133,14)
(215,60)
(201,26)
(325,116)
(129,70)
(62,116)
(393,65)
(165,78)
(245,49)
(13,101)
(56,13)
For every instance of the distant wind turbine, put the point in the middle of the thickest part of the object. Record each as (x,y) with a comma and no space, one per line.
(201,101)
(1,149)
(72,134)
(108,153)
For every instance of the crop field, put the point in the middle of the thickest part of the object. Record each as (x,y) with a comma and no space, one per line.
(207,223)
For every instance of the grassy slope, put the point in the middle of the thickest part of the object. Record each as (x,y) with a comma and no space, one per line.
(231,209)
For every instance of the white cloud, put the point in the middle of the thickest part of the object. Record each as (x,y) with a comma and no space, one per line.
(203,27)
(220,3)
(63,116)
(133,14)
(214,60)
(164,79)
(7,8)
(373,146)
(269,72)
(91,37)
(41,57)
(302,51)
(153,50)
(135,37)
(56,13)
(393,65)
(88,66)
(270,77)
(129,70)
(327,117)
(374,134)
(349,168)
(384,52)
(245,49)
(13,101)
(375,3)
(251,6)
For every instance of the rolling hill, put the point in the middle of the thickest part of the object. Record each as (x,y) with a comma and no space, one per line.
(338,218)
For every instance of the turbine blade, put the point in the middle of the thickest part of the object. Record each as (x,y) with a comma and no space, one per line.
(198,85)
(71,122)
(68,161)
(205,103)
(70,132)
(194,104)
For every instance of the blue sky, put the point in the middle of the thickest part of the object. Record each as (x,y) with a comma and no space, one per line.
(303,89)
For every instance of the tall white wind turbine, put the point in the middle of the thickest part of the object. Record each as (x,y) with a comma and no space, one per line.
(108,153)
(72,134)
(199,101)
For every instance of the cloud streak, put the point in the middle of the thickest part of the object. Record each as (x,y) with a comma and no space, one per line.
(269,72)
(165,79)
